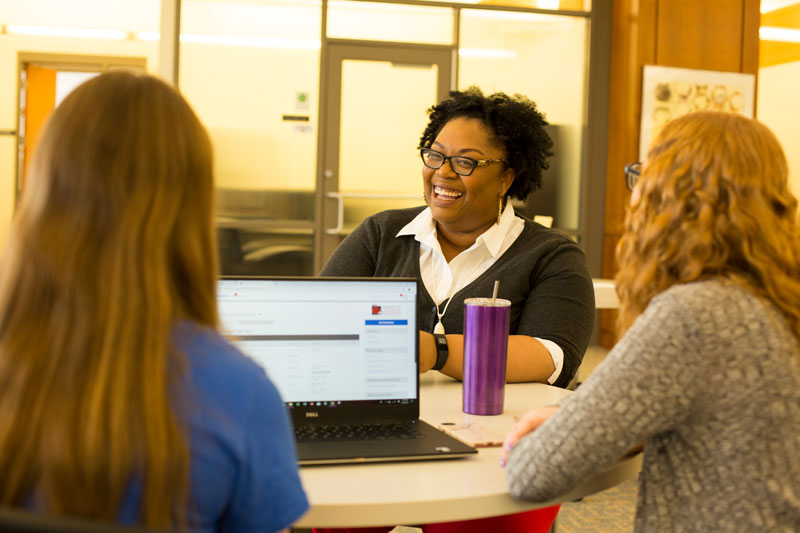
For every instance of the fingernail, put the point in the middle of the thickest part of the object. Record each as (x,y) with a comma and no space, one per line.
(502,463)
(507,446)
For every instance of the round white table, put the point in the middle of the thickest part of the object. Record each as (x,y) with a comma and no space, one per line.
(420,492)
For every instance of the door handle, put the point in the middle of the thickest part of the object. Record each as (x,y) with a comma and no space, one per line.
(339,213)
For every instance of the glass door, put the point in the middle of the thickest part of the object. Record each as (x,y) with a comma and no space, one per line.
(374,113)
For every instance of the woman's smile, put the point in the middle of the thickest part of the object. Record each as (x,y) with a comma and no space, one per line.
(444,194)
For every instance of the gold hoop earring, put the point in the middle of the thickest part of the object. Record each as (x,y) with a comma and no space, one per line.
(500,210)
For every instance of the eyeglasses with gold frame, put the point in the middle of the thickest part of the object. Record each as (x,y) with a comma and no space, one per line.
(461,165)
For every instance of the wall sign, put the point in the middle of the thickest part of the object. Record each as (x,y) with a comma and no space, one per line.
(669,92)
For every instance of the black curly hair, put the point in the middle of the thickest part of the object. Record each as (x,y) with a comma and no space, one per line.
(513,123)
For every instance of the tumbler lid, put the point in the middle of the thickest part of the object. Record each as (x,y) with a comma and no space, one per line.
(488,302)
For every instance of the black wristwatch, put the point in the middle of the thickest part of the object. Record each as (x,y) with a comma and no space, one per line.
(441,351)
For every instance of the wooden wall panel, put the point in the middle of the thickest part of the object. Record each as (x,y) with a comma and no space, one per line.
(608,318)
(750,40)
(704,35)
(633,27)
(708,34)
(631,46)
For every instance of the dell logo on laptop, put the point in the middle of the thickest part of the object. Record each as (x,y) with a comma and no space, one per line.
(312,414)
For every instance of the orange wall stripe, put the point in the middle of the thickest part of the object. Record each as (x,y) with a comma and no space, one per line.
(787,17)
(40,99)
(775,53)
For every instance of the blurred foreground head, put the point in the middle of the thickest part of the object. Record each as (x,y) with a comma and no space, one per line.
(112,243)
(712,201)
(121,182)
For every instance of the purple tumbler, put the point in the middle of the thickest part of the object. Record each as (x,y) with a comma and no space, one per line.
(485,349)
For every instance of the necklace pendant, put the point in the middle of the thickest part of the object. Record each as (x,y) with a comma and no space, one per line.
(439,328)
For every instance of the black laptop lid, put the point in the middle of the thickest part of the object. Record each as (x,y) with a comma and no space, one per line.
(337,349)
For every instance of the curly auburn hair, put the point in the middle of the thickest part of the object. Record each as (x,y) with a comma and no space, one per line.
(513,123)
(713,203)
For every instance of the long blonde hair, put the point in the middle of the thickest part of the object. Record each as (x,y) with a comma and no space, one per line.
(113,242)
(713,202)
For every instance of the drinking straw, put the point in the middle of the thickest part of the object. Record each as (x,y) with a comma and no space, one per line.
(494,292)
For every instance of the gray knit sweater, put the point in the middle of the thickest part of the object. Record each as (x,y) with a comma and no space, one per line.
(708,378)
(544,275)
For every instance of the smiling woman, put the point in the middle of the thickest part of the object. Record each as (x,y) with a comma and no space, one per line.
(477,151)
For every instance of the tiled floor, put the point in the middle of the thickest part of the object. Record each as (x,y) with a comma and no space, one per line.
(610,511)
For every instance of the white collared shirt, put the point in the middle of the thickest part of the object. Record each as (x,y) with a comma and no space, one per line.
(443,279)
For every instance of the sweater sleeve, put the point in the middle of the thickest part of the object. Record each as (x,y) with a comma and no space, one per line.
(644,387)
(357,254)
(560,306)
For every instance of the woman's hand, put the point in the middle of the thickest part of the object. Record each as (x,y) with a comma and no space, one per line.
(532,420)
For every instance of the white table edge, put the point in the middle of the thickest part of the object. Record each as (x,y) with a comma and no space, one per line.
(448,509)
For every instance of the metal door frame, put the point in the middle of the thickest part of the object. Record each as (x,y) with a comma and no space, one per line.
(328,219)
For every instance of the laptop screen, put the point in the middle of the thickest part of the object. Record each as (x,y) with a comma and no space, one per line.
(327,341)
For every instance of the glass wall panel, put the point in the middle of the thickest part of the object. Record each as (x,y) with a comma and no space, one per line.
(81,29)
(251,71)
(388,22)
(543,57)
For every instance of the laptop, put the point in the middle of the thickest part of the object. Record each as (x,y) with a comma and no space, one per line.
(343,353)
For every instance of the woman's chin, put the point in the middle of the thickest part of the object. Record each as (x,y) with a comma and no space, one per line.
(445,212)
(447,202)
(455,219)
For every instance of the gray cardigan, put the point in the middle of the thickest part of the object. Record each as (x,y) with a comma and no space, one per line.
(708,377)
(543,273)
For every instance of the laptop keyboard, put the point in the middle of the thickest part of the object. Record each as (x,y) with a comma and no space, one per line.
(345,432)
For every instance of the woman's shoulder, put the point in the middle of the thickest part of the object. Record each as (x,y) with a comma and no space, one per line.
(216,366)
(204,344)
(391,218)
(700,295)
(720,305)
(224,387)
(244,474)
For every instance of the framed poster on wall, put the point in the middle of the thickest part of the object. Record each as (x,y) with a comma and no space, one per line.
(669,92)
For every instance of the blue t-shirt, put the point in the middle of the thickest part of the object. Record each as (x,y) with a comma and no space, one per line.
(244,474)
